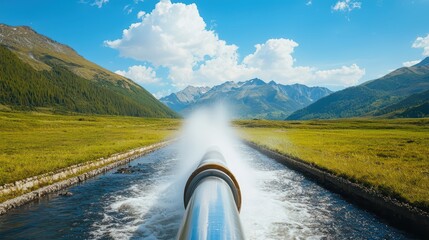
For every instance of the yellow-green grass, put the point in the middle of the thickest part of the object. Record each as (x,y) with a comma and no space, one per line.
(36,143)
(390,155)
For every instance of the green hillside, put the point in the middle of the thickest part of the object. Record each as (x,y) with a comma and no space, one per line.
(417,111)
(58,79)
(382,96)
(416,105)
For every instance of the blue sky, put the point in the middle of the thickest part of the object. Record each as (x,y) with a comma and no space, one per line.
(176,43)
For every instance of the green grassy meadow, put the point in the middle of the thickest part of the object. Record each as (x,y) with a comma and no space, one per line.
(36,143)
(389,155)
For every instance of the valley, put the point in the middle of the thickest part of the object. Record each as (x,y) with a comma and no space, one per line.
(233,120)
(390,156)
(35,143)
(401,93)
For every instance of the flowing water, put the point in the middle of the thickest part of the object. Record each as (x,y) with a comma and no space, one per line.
(147,204)
(147,201)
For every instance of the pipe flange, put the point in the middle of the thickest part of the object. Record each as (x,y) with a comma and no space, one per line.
(208,170)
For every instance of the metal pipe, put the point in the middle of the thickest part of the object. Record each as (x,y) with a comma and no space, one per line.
(212,200)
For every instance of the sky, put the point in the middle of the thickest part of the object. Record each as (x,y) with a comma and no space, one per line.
(167,45)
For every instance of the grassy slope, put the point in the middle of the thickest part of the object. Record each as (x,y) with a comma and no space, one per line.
(369,97)
(22,87)
(34,49)
(390,155)
(411,107)
(36,143)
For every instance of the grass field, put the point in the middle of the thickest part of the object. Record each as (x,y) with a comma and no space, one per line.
(36,143)
(389,155)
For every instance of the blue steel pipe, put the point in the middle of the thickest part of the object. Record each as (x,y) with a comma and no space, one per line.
(212,200)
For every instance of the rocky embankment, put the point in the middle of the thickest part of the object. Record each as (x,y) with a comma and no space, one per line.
(66,177)
(394,211)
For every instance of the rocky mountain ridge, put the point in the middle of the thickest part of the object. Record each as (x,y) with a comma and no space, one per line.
(248,99)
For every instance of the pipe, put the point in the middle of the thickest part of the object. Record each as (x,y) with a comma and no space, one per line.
(212,200)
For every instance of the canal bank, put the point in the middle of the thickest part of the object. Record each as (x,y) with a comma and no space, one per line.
(147,203)
(394,211)
(67,177)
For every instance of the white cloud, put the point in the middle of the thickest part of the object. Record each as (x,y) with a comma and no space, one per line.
(273,60)
(128,9)
(410,63)
(309,2)
(140,74)
(162,93)
(141,14)
(172,35)
(274,54)
(99,3)
(223,67)
(422,42)
(176,37)
(346,5)
(343,76)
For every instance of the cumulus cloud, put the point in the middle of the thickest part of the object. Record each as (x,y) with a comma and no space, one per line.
(141,14)
(140,74)
(223,67)
(422,42)
(176,37)
(346,6)
(171,35)
(410,63)
(274,54)
(273,60)
(343,76)
(99,3)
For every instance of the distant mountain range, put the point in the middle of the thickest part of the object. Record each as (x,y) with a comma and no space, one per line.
(182,99)
(37,72)
(250,99)
(401,93)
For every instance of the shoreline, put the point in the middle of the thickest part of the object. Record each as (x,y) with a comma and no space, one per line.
(397,213)
(64,178)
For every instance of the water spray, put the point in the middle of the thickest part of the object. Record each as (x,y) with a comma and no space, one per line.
(212,200)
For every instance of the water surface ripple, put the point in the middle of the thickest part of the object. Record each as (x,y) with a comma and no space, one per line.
(278,203)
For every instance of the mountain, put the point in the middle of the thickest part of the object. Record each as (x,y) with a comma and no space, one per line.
(424,62)
(180,100)
(382,96)
(253,98)
(37,72)
(414,106)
